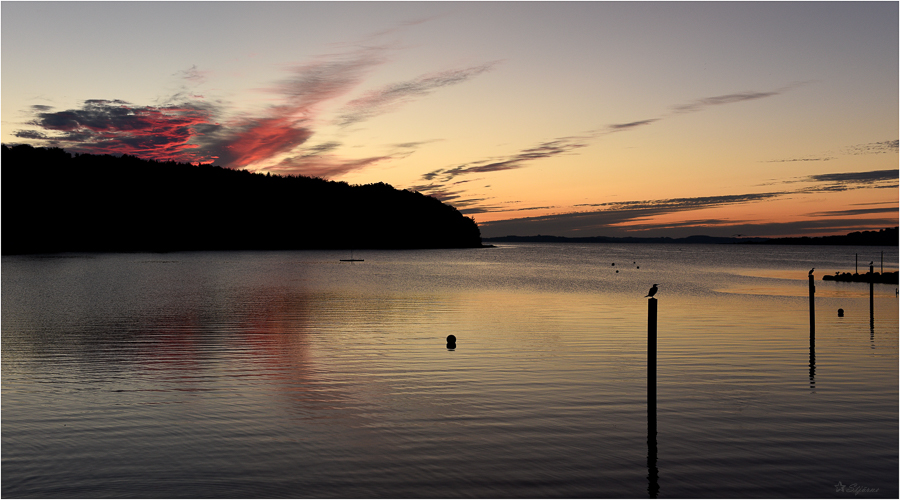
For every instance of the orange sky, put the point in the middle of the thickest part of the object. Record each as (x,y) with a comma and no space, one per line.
(572,119)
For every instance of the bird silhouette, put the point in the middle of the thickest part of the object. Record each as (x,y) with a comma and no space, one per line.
(653,290)
(811,271)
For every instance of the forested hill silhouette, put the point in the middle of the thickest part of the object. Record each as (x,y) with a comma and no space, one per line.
(57,202)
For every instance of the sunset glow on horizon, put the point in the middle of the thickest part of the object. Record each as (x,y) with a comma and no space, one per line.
(571,119)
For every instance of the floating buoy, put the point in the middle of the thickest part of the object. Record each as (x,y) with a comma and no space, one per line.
(451,342)
(840,313)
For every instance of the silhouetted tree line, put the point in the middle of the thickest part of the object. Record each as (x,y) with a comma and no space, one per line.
(57,202)
(884,237)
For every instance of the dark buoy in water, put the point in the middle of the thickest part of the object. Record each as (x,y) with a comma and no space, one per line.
(840,313)
(451,341)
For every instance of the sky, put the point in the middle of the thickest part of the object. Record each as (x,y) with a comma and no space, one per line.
(571,119)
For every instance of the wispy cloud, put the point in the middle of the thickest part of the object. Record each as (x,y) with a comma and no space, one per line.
(845,181)
(874,148)
(32,134)
(565,145)
(252,140)
(438,179)
(871,176)
(614,214)
(869,148)
(751,228)
(856,212)
(187,128)
(191,130)
(547,149)
(324,167)
(394,95)
(327,78)
(788,160)
(621,217)
(705,102)
(627,126)
(194,75)
(466,205)
(630,218)
(414,144)
(678,204)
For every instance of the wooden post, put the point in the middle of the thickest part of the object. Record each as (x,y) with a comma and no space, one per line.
(652,470)
(812,307)
(872,299)
(812,331)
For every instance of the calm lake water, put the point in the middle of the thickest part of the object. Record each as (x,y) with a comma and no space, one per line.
(291,374)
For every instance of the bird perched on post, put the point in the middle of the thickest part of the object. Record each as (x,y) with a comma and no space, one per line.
(811,270)
(653,290)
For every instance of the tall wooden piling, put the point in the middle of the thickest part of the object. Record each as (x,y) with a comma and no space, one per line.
(812,331)
(872,299)
(812,307)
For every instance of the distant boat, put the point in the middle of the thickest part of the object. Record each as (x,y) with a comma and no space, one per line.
(351,259)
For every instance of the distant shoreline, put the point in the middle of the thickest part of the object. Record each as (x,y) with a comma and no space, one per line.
(885,237)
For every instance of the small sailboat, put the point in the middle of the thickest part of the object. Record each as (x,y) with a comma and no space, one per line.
(351,259)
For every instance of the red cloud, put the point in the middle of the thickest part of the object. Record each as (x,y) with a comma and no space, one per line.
(189,132)
(263,139)
(117,127)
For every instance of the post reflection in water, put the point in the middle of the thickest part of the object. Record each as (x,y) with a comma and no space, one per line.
(872,314)
(652,470)
(812,360)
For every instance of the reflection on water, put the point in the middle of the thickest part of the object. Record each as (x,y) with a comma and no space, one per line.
(812,360)
(292,374)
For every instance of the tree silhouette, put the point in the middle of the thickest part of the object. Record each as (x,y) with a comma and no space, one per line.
(55,202)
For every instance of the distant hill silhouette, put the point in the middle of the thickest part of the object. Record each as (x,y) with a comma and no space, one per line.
(57,202)
(884,237)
